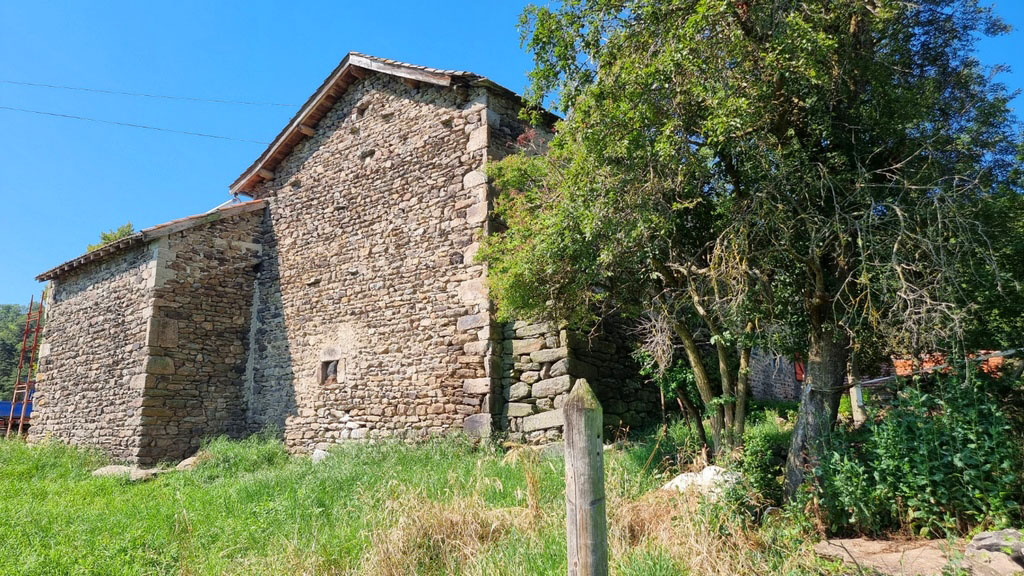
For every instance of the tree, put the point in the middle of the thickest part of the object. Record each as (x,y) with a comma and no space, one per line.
(12,326)
(809,171)
(113,236)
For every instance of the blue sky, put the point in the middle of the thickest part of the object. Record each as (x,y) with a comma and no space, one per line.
(63,181)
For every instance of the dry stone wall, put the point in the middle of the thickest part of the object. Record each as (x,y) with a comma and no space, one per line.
(541,364)
(91,367)
(198,336)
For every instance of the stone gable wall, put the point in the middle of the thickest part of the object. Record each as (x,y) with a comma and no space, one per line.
(372,318)
(198,336)
(91,368)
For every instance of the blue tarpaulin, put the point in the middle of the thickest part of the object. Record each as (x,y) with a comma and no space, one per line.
(5,409)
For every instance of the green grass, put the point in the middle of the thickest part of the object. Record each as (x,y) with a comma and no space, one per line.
(250,508)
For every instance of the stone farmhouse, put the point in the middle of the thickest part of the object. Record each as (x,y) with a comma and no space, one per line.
(343,301)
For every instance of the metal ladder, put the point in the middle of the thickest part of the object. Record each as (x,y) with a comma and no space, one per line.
(24,382)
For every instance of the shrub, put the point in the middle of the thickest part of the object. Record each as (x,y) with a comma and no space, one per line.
(940,459)
(765,444)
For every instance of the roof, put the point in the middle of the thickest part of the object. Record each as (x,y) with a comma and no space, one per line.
(351,68)
(148,235)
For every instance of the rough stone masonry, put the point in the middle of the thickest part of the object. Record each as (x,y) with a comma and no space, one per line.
(343,302)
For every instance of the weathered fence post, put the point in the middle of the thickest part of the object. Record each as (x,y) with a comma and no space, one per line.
(587,529)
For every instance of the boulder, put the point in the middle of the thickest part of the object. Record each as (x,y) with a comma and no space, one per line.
(711,481)
(996,553)
(190,463)
(133,473)
(113,470)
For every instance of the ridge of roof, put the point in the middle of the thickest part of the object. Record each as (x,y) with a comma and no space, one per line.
(352,67)
(149,234)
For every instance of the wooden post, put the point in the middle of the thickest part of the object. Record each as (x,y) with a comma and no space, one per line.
(860,415)
(587,528)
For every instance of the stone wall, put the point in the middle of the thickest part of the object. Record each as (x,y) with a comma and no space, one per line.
(91,368)
(372,317)
(772,376)
(353,308)
(605,359)
(144,350)
(198,336)
(541,364)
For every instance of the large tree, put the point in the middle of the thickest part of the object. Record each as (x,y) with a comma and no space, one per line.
(745,169)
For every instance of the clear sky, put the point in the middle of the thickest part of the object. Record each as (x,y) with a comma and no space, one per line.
(62,181)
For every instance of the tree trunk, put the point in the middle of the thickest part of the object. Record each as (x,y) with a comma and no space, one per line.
(856,394)
(728,391)
(819,404)
(698,422)
(742,391)
(700,375)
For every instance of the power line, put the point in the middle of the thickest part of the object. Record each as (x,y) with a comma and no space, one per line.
(145,95)
(132,125)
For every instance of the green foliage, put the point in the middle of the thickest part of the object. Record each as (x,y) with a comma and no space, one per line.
(12,326)
(942,459)
(114,235)
(765,444)
(820,170)
(649,563)
(228,458)
(995,294)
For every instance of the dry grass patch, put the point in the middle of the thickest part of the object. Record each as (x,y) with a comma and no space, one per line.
(706,538)
(427,537)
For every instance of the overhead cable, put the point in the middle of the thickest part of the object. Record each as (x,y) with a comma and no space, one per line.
(145,95)
(131,125)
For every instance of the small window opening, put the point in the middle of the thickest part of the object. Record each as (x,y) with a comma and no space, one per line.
(331,372)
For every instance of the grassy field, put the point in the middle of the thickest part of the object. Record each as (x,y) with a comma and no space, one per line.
(444,507)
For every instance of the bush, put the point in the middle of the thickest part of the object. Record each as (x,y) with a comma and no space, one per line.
(765,444)
(940,460)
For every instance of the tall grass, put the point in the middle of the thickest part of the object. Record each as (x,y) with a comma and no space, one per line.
(443,507)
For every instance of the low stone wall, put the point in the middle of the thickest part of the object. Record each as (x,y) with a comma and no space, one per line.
(541,363)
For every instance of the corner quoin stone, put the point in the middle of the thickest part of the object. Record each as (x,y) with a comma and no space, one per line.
(160,365)
(552,386)
(477,425)
(476,386)
(473,321)
(544,420)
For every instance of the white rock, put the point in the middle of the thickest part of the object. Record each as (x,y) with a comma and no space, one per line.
(319,456)
(711,481)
